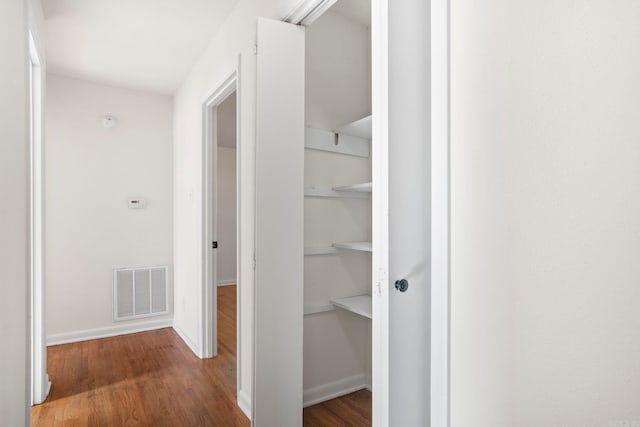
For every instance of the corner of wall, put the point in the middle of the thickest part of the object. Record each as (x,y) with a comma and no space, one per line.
(181,333)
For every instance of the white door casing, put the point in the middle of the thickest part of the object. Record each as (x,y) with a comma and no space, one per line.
(380,212)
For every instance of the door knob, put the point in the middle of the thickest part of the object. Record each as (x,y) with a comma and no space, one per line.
(402,285)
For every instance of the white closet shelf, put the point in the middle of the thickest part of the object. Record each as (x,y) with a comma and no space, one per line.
(354,246)
(321,250)
(335,193)
(338,248)
(365,187)
(360,128)
(315,309)
(360,304)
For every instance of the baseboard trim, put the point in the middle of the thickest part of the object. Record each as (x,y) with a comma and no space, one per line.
(244,403)
(48,388)
(226,282)
(38,400)
(192,346)
(109,331)
(322,393)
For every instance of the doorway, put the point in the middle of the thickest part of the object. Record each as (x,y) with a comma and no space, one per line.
(221,208)
(337,215)
(226,225)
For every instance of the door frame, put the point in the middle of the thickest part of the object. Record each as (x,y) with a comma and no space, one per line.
(380,212)
(209,219)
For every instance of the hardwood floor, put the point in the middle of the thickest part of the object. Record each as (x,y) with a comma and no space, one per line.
(153,379)
(351,410)
(145,379)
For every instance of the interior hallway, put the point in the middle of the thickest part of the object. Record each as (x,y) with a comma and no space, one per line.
(153,379)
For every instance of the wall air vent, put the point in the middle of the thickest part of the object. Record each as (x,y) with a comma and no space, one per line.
(140,292)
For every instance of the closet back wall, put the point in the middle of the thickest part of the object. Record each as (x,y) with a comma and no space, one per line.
(91,171)
(338,91)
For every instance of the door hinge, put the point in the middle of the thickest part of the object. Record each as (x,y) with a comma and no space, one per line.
(255,49)
(381,277)
(214,245)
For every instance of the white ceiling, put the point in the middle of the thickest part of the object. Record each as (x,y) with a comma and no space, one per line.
(142,44)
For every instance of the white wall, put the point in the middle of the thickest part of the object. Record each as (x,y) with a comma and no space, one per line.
(91,171)
(545,213)
(336,344)
(227,239)
(235,40)
(14,214)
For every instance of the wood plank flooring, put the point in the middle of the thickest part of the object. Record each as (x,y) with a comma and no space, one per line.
(353,410)
(153,379)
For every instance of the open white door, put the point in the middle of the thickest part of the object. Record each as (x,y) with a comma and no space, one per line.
(279,224)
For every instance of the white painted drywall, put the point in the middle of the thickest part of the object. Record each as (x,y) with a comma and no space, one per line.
(545,213)
(337,343)
(234,41)
(15,395)
(226,227)
(91,171)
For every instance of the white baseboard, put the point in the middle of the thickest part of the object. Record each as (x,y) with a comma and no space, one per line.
(109,331)
(48,388)
(244,403)
(44,393)
(322,393)
(194,348)
(226,282)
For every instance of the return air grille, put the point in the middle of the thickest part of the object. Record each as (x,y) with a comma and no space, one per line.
(140,292)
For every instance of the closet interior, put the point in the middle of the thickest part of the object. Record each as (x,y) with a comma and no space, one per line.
(337,218)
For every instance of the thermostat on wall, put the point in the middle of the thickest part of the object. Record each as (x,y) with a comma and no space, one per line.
(137,203)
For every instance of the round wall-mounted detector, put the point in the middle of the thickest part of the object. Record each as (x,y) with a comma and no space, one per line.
(109,122)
